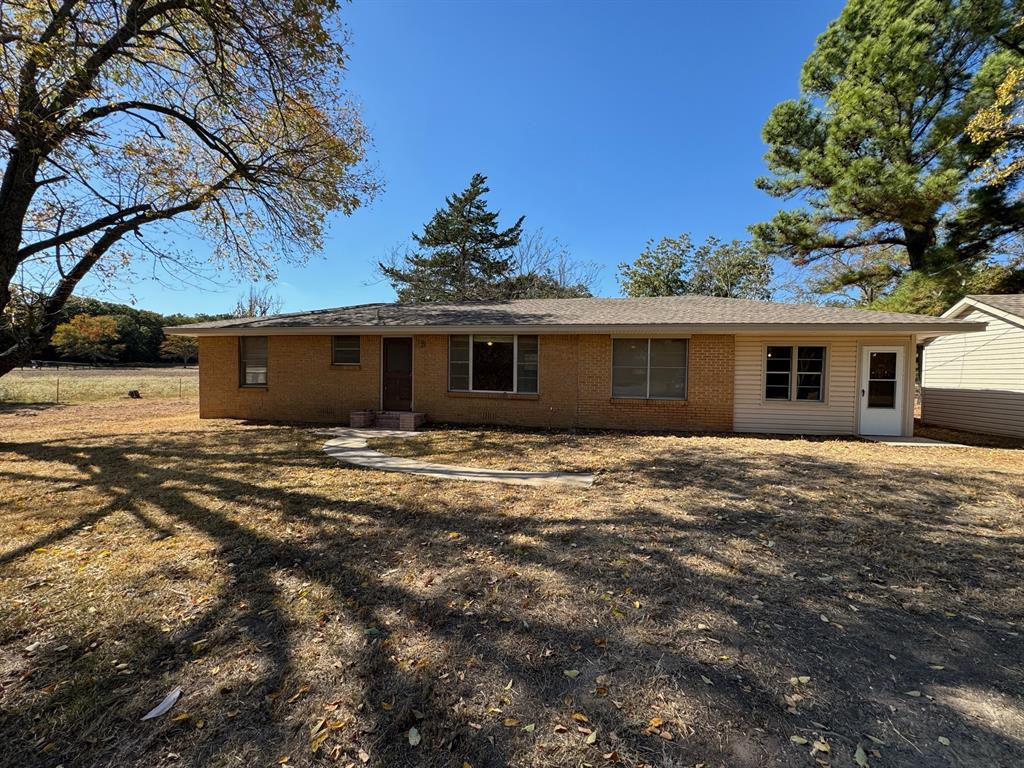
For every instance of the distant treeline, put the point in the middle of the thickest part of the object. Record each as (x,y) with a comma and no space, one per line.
(139,331)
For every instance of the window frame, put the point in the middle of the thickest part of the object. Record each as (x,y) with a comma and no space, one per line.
(515,366)
(359,349)
(794,373)
(242,383)
(647,370)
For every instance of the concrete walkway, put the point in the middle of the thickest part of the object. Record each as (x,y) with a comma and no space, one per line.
(350,446)
(924,442)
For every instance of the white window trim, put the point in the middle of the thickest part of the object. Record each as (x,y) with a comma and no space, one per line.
(647,396)
(795,346)
(515,365)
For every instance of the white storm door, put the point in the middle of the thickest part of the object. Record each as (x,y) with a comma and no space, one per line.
(881,391)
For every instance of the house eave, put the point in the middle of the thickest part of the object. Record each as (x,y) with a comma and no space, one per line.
(920,330)
(969,302)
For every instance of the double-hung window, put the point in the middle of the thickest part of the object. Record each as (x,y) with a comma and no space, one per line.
(252,361)
(493,363)
(653,369)
(794,373)
(345,350)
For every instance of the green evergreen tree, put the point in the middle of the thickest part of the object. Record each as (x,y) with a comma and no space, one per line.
(462,254)
(876,146)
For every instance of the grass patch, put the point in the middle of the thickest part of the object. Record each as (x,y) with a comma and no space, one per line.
(707,600)
(92,385)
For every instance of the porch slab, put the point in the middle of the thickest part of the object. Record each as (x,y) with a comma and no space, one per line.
(924,442)
(350,446)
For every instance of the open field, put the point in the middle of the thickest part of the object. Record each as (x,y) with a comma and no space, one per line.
(717,600)
(91,384)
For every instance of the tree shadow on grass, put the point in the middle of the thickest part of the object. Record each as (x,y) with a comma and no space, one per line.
(499,599)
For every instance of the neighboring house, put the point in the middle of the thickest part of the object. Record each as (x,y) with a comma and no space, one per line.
(975,382)
(675,363)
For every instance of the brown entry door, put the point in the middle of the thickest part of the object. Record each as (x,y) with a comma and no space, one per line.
(397,374)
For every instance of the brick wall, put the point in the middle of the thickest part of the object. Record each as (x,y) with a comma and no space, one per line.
(553,406)
(574,386)
(708,404)
(302,385)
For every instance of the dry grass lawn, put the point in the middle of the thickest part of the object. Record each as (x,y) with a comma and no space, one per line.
(715,600)
(50,385)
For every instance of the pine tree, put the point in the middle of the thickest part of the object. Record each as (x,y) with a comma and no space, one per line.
(876,148)
(462,254)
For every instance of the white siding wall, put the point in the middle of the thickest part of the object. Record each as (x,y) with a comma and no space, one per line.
(989,359)
(837,415)
(975,381)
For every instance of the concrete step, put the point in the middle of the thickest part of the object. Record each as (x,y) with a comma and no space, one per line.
(402,420)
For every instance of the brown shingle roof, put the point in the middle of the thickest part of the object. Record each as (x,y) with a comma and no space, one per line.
(1009,302)
(582,315)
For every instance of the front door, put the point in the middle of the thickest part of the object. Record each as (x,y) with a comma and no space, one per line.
(881,391)
(397,395)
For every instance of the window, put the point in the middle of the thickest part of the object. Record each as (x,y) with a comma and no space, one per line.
(253,366)
(649,368)
(882,380)
(345,350)
(493,363)
(794,373)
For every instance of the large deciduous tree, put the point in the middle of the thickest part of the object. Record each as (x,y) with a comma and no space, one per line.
(182,348)
(543,268)
(675,266)
(260,301)
(88,337)
(876,147)
(121,119)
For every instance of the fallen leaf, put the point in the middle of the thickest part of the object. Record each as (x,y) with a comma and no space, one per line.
(529,728)
(364,756)
(861,757)
(318,740)
(164,706)
(414,737)
(820,746)
(943,741)
(511,722)
(706,679)
(656,722)
(579,717)
(573,673)
(915,694)
(591,737)
(798,739)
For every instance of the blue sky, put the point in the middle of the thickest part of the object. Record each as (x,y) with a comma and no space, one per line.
(604,123)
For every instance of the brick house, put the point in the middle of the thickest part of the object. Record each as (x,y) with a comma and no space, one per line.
(672,363)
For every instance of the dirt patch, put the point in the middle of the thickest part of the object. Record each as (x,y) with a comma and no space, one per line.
(713,599)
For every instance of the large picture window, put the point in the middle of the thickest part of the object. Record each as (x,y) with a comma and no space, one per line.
(794,373)
(652,369)
(493,363)
(253,364)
